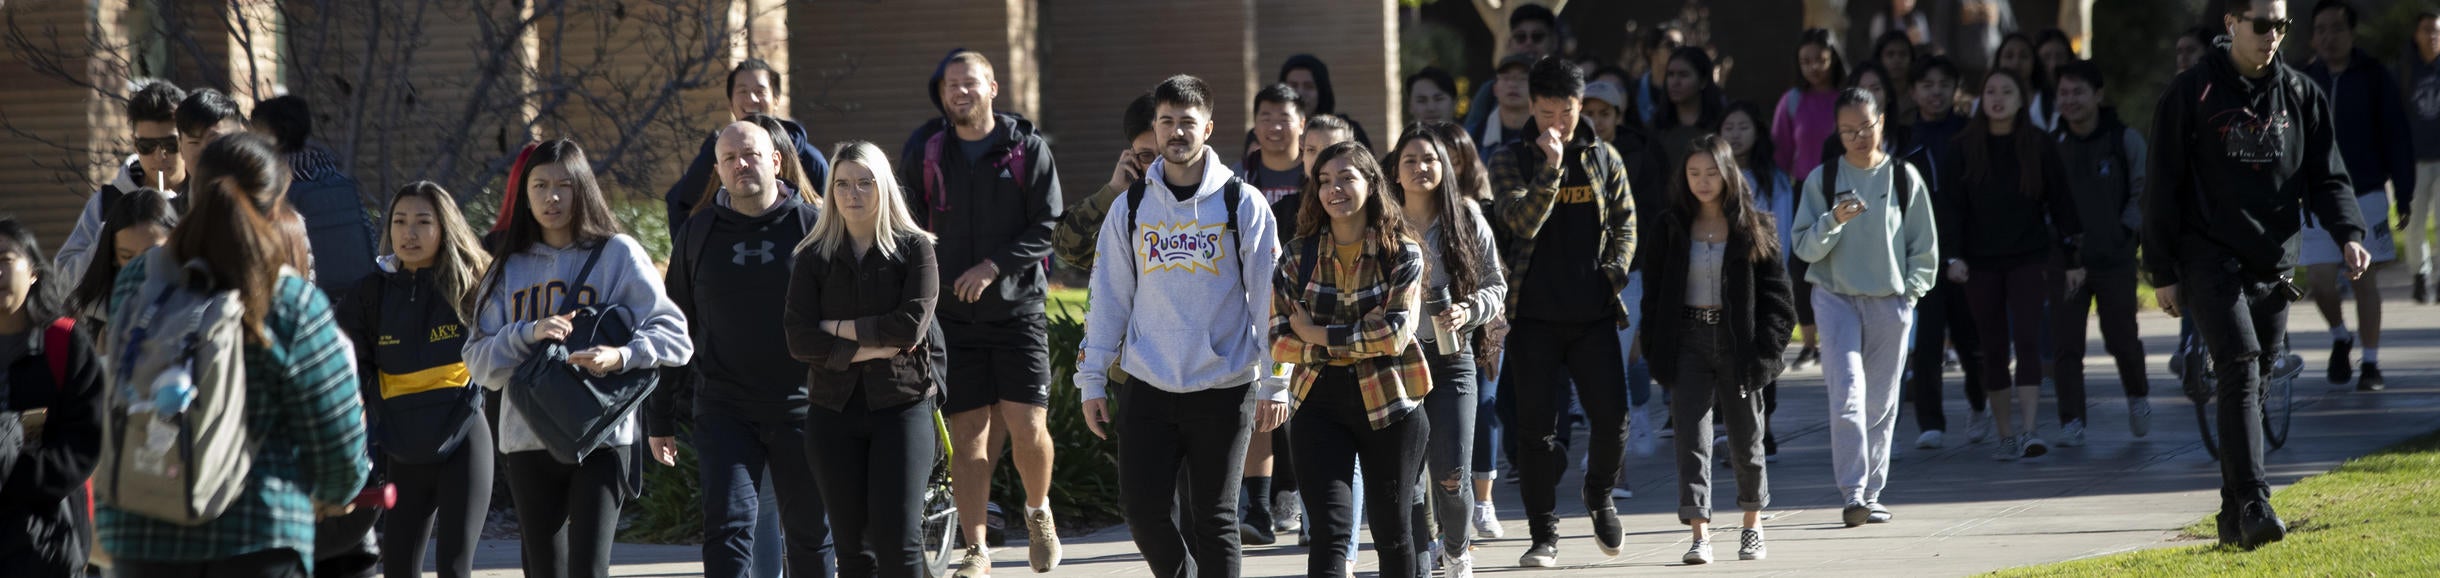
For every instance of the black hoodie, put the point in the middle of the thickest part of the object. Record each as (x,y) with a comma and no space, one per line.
(2104,175)
(1327,102)
(729,273)
(984,210)
(2235,163)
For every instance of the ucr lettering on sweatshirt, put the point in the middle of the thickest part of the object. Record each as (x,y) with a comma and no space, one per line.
(543,300)
(1189,247)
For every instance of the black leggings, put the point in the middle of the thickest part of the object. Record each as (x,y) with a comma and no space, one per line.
(1941,316)
(569,512)
(872,466)
(458,490)
(1332,431)
(2008,300)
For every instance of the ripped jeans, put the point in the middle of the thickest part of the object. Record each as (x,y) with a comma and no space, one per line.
(1448,452)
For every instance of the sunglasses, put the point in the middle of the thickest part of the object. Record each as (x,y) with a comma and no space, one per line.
(167,144)
(2269,25)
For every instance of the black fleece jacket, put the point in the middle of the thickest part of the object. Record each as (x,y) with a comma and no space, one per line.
(984,210)
(1760,308)
(729,273)
(2235,163)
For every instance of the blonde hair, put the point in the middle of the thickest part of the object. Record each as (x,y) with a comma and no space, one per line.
(892,222)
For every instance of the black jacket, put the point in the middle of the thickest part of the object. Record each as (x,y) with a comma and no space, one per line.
(1990,219)
(700,176)
(2236,162)
(1760,308)
(890,299)
(980,212)
(729,273)
(40,537)
(408,339)
(2102,177)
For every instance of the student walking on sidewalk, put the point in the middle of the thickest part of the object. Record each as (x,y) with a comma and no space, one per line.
(1719,312)
(1181,279)
(2244,147)
(408,322)
(860,301)
(1864,222)
(569,511)
(2007,215)
(1463,289)
(1346,303)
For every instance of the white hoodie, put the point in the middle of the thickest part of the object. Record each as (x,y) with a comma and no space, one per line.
(1190,313)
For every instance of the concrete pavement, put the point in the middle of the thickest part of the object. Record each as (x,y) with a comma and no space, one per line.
(1957,511)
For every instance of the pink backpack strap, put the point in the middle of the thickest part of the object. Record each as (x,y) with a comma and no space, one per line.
(55,347)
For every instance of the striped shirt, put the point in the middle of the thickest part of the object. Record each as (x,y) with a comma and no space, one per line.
(302,404)
(1368,308)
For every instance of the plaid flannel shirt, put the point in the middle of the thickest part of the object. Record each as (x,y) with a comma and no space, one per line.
(303,406)
(1526,189)
(1369,312)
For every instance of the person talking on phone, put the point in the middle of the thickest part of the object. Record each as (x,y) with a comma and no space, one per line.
(1864,222)
(2243,146)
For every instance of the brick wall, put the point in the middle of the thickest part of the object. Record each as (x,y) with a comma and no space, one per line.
(41,184)
(859,69)
(1099,57)
(1357,39)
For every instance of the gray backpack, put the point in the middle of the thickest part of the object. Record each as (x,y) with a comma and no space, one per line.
(186,461)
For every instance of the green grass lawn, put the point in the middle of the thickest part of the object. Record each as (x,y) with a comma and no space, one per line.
(2373,516)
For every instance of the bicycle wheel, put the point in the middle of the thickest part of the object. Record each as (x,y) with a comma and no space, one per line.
(2197,381)
(939,522)
(2279,400)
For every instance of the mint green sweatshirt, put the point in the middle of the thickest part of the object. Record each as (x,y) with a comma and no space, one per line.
(1880,253)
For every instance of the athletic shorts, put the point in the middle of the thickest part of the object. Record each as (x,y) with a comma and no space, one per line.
(997,361)
(2319,249)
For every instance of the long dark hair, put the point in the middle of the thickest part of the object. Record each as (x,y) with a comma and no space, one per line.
(1761,158)
(1383,215)
(1460,243)
(1466,162)
(239,193)
(588,213)
(42,301)
(1838,62)
(2033,58)
(2030,144)
(140,207)
(1708,91)
(458,259)
(1755,227)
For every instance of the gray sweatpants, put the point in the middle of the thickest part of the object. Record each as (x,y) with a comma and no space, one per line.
(1864,342)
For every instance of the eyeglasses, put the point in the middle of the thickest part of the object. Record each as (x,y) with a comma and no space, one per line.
(2269,25)
(1844,134)
(1147,156)
(146,146)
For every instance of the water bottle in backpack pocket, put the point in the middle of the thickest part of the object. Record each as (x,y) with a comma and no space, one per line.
(175,442)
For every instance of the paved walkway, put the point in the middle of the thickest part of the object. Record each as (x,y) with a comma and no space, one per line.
(1958,512)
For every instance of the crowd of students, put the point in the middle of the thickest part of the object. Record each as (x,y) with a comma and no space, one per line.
(1316,334)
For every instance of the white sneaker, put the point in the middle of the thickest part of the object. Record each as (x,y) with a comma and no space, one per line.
(2034,446)
(1930,440)
(1978,427)
(1487,521)
(2072,434)
(2139,416)
(1287,512)
(1459,566)
(1699,554)
(1750,546)
(2008,450)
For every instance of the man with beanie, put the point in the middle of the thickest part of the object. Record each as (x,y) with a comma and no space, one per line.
(985,183)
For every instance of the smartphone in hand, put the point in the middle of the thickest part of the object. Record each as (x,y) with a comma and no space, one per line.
(1845,197)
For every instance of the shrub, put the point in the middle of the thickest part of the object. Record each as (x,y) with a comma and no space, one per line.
(1084,473)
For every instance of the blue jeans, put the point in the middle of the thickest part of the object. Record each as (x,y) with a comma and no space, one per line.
(1639,372)
(735,451)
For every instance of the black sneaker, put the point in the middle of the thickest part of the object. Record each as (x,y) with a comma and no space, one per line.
(1256,534)
(1809,356)
(1541,555)
(2261,525)
(2230,534)
(2370,378)
(1855,515)
(2423,294)
(1606,532)
(2340,370)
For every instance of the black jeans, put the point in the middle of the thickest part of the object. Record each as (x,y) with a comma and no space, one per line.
(569,512)
(2007,300)
(1448,486)
(1331,432)
(1547,356)
(458,490)
(873,466)
(2241,317)
(2114,291)
(1197,439)
(734,446)
(1941,316)
(280,563)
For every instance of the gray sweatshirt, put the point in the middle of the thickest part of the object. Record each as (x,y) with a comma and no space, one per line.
(1190,313)
(535,283)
